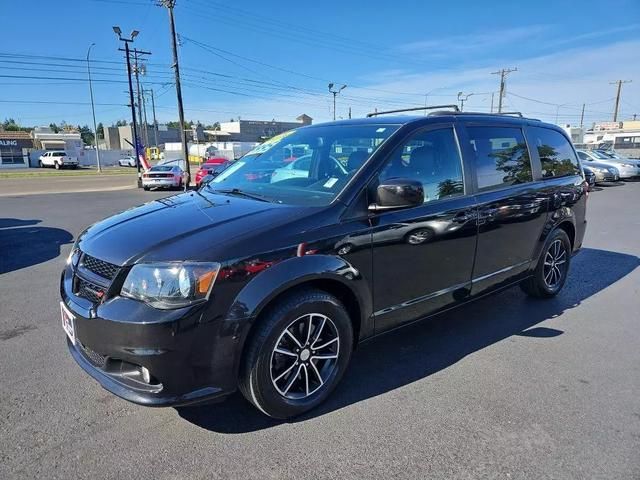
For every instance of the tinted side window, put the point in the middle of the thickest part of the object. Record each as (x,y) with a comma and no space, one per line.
(501,156)
(431,157)
(583,156)
(556,155)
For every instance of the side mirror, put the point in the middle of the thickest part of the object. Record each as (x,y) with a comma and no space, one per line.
(398,193)
(206,180)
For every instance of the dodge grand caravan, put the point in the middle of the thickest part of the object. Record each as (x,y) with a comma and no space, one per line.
(267,284)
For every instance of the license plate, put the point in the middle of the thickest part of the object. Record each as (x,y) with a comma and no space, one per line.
(68,323)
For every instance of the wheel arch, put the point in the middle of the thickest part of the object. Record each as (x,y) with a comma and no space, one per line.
(331,274)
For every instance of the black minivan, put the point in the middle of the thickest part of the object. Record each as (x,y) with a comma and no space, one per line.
(269,275)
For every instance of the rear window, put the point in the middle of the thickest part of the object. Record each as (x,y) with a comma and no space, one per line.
(59,154)
(162,168)
(501,156)
(556,155)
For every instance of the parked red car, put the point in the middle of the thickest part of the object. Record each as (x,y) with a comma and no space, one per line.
(208,166)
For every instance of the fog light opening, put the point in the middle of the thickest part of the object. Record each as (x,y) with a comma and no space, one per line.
(146,376)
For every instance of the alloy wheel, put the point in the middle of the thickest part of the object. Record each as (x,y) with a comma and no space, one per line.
(554,264)
(305,356)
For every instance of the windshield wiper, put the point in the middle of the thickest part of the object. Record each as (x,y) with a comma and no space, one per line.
(241,193)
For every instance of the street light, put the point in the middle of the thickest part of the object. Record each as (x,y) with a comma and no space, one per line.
(335,93)
(463,98)
(558,110)
(93,108)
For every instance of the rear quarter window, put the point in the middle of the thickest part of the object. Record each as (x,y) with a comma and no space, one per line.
(557,158)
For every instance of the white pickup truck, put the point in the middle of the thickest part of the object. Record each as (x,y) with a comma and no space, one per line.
(57,159)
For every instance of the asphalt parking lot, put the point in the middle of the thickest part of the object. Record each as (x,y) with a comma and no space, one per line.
(508,387)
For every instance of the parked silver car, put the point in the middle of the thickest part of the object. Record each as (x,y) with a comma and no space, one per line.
(602,172)
(163,176)
(626,168)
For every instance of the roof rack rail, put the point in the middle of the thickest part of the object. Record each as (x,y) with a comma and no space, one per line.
(414,109)
(517,114)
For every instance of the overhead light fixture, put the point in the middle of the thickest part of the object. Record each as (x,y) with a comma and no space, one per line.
(117,30)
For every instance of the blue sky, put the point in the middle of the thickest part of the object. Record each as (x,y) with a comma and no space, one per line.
(264,60)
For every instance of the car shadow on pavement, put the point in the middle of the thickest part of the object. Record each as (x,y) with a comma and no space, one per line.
(424,348)
(22,244)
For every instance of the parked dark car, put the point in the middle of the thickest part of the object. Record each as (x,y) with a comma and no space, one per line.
(269,286)
(589,176)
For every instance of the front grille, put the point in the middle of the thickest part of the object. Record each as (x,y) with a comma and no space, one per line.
(94,357)
(100,267)
(90,291)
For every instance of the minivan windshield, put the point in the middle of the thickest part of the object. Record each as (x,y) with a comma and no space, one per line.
(306,166)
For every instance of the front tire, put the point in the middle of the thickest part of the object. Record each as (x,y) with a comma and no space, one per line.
(57,166)
(552,269)
(297,355)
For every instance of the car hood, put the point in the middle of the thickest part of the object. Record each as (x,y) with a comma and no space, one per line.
(605,165)
(182,227)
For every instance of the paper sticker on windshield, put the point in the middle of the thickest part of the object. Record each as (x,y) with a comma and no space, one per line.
(380,130)
(263,147)
(330,183)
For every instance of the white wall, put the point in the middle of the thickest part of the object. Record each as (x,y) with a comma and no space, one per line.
(87,157)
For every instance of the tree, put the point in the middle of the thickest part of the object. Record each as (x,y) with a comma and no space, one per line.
(86,134)
(10,125)
(120,123)
(54,128)
(100,130)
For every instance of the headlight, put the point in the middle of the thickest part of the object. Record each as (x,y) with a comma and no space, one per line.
(626,165)
(600,170)
(170,285)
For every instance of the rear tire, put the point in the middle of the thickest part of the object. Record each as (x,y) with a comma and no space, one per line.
(146,189)
(552,269)
(40,164)
(297,354)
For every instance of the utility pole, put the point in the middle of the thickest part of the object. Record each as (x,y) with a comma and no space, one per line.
(93,109)
(335,94)
(349,112)
(146,123)
(139,69)
(155,122)
(126,41)
(615,109)
(582,116)
(169,4)
(503,84)
(492,95)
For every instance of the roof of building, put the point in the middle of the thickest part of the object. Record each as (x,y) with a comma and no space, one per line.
(18,135)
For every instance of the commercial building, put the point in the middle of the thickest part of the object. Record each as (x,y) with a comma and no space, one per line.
(14,149)
(118,138)
(259,130)
(622,136)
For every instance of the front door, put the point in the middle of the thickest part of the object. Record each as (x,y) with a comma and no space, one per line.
(423,256)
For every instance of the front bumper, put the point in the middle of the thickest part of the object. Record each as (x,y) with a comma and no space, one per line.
(189,360)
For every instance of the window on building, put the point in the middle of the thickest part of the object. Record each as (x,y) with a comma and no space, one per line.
(12,156)
(556,155)
(501,156)
(431,157)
